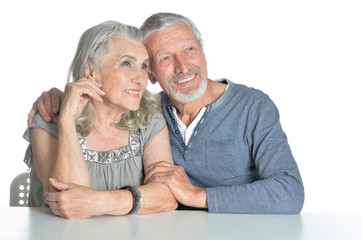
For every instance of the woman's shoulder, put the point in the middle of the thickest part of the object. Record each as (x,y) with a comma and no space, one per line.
(156,124)
(157,121)
(39,122)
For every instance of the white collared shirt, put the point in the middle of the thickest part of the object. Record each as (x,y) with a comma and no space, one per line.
(184,130)
(187,132)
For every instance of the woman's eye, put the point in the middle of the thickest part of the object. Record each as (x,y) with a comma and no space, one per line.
(145,67)
(126,64)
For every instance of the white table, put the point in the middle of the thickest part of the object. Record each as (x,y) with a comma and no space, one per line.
(38,223)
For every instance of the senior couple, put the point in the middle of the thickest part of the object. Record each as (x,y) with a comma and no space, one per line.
(112,146)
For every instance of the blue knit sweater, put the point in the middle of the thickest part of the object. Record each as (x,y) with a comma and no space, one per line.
(240,154)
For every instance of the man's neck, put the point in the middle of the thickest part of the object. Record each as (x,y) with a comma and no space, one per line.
(189,111)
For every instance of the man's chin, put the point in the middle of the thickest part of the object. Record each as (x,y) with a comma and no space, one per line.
(186,98)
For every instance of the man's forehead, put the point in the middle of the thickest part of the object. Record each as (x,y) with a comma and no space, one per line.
(175,36)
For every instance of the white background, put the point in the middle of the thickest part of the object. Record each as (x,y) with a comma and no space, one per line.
(305,54)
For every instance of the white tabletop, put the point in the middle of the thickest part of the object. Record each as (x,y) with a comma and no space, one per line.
(38,223)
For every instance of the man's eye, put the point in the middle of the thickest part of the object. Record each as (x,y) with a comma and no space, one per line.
(165,60)
(190,49)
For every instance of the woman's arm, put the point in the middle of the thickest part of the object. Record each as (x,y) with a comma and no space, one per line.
(75,201)
(62,158)
(58,158)
(157,197)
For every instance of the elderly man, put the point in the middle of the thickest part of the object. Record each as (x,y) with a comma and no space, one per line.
(231,153)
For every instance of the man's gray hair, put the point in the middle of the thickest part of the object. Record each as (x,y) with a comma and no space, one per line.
(94,44)
(161,21)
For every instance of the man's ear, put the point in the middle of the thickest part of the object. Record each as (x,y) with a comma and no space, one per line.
(152,77)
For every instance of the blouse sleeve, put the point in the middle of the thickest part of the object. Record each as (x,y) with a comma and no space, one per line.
(38,122)
(156,124)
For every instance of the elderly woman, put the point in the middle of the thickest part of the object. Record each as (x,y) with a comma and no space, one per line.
(92,162)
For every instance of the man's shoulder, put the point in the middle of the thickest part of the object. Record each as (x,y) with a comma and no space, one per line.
(237,92)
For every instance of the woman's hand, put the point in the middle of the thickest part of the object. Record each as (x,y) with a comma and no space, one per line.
(73,201)
(77,95)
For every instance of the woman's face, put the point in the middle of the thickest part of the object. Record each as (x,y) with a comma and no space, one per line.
(123,72)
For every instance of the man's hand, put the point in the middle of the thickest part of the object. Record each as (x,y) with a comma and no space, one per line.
(73,201)
(177,180)
(48,105)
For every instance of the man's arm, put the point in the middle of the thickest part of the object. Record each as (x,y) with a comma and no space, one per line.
(48,105)
(279,189)
(177,180)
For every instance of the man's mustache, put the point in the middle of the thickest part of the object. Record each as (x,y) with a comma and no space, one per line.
(184,75)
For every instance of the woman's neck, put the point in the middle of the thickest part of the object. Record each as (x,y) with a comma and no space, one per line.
(104,136)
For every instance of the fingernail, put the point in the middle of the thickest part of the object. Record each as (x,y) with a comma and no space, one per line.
(52,179)
(47,119)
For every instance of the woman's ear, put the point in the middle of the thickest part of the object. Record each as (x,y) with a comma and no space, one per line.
(89,71)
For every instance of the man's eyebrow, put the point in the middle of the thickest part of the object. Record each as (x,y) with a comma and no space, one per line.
(163,53)
(191,42)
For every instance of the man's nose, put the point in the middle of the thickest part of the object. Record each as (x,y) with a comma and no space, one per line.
(181,65)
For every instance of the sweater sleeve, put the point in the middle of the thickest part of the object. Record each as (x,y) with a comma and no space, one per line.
(280,188)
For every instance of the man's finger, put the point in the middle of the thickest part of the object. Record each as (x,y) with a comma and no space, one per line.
(59,185)
(155,170)
(46,101)
(159,177)
(158,165)
(55,101)
(31,116)
(51,197)
(43,113)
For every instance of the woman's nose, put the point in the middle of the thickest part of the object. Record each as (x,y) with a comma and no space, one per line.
(140,76)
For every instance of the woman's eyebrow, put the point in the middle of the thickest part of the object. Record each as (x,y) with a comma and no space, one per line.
(128,56)
(133,58)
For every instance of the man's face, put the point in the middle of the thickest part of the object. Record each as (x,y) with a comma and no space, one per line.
(177,60)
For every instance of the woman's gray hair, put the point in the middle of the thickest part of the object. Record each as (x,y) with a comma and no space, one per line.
(93,47)
(161,21)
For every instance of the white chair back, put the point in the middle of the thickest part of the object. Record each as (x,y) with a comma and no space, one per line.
(19,190)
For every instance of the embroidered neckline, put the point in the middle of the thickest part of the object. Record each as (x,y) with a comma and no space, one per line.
(108,157)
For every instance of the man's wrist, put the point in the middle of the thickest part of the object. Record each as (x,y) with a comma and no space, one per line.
(200,198)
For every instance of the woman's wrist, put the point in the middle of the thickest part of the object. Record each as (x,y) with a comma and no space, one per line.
(65,118)
(118,202)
